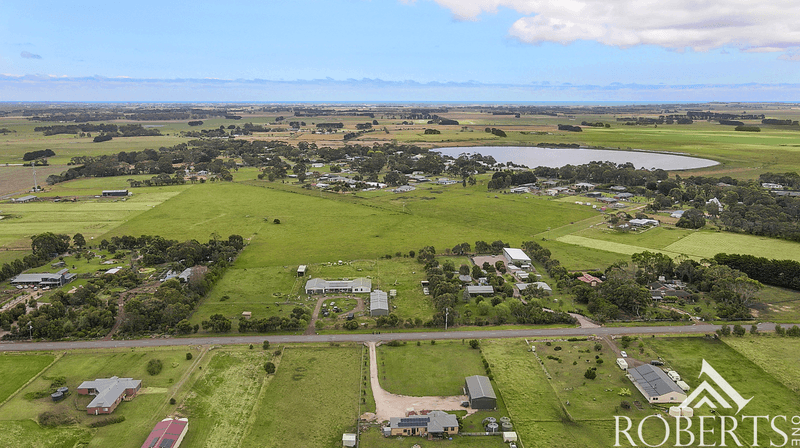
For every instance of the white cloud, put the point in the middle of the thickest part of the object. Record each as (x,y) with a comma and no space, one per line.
(675,24)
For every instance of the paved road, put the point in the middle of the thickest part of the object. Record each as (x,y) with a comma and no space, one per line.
(361,337)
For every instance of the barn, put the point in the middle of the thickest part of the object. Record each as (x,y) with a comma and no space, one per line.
(168,433)
(378,303)
(480,392)
(655,385)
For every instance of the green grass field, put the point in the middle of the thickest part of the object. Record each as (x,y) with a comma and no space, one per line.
(18,369)
(777,356)
(427,369)
(313,398)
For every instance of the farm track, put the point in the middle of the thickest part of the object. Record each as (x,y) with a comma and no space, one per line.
(367,337)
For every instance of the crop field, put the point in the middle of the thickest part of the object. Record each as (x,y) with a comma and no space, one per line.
(426,370)
(312,398)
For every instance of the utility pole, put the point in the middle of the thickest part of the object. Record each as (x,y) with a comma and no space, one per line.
(446,314)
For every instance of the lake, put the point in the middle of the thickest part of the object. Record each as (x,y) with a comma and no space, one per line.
(558,157)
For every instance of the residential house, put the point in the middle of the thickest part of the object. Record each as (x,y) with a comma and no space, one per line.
(108,392)
(433,423)
(655,385)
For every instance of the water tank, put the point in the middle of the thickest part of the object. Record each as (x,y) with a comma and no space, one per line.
(63,390)
(687,412)
(488,420)
(492,427)
(505,419)
(507,426)
(675,411)
(57,396)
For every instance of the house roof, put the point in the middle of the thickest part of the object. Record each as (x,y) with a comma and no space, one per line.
(479,386)
(653,381)
(108,390)
(464,278)
(516,254)
(435,421)
(588,278)
(480,289)
(166,433)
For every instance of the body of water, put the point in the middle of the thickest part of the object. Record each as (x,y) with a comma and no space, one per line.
(558,157)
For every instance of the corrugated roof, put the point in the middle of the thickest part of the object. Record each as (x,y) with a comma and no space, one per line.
(480,289)
(653,381)
(108,390)
(479,386)
(515,254)
(378,300)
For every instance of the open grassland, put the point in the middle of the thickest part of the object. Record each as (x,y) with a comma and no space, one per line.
(222,400)
(778,356)
(312,399)
(18,369)
(28,434)
(425,369)
(708,244)
(778,305)
(608,246)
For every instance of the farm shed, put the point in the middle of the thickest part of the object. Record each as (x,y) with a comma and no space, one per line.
(515,256)
(111,193)
(655,385)
(643,222)
(480,392)
(320,286)
(436,422)
(510,437)
(301,270)
(109,392)
(378,303)
(480,290)
(60,278)
(27,198)
(167,433)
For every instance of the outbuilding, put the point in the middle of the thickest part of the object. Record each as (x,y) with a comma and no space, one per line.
(655,385)
(515,256)
(110,193)
(480,392)
(378,303)
(168,433)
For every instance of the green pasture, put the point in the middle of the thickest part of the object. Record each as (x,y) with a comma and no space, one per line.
(28,434)
(778,305)
(425,369)
(608,246)
(18,369)
(776,355)
(313,398)
(221,402)
(708,244)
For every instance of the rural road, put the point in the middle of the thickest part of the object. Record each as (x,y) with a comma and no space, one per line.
(365,337)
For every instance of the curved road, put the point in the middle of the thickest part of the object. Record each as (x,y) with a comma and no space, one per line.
(362,337)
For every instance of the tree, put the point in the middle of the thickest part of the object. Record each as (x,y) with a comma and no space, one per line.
(725,330)
(269,367)
(189,356)
(474,343)
(738,330)
(651,266)
(183,327)
(78,240)
(154,366)
(692,219)
(590,374)
(48,243)
(265,345)
(754,329)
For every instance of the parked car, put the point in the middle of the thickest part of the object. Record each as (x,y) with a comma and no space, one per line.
(656,362)
(624,355)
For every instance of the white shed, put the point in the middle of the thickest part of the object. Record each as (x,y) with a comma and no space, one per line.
(509,437)
(348,439)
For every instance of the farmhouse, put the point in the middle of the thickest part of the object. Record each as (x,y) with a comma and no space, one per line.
(404,189)
(111,193)
(321,286)
(480,392)
(516,256)
(378,303)
(521,190)
(168,433)
(435,422)
(109,392)
(60,278)
(643,222)
(594,194)
(623,196)
(655,385)
(590,280)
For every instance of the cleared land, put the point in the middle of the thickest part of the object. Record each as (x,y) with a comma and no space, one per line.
(18,369)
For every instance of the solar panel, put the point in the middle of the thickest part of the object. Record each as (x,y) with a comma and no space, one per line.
(413,421)
(166,443)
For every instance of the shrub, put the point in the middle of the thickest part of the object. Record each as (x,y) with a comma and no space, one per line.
(599,361)
(188,356)
(590,374)
(51,419)
(624,404)
(108,421)
(351,325)
(154,366)
(277,352)
(265,345)
(251,346)
(474,343)
(598,346)
(394,343)
(739,330)
(793,332)
(172,400)
(780,331)
(433,342)
(557,348)
(269,367)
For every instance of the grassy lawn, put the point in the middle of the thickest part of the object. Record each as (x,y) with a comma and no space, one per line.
(777,356)
(18,368)
(28,434)
(222,400)
(428,370)
(708,244)
(313,398)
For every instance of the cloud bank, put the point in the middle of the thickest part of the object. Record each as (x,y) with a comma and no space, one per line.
(97,88)
(675,24)
(29,55)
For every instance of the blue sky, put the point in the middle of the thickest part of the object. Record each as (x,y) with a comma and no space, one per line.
(434,50)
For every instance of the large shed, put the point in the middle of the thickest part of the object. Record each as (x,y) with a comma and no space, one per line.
(378,303)
(480,392)
(168,433)
(655,385)
(515,256)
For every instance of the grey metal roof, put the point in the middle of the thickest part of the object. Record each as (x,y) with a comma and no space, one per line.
(27,198)
(479,386)
(480,289)
(653,381)
(435,421)
(108,390)
(378,300)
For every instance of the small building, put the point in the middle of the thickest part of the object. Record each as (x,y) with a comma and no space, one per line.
(24,199)
(435,422)
(404,189)
(348,439)
(515,256)
(480,290)
(594,194)
(655,385)
(167,433)
(541,285)
(584,186)
(247,315)
(113,271)
(479,390)
(607,200)
(111,193)
(510,436)
(520,190)
(677,214)
(463,278)
(301,270)
(321,286)
(617,188)
(644,222)
(109,392)
(185,275)
(623,196)
(378,303)
(771,186)
(589,279)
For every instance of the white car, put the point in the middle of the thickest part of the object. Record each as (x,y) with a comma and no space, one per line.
(624,355)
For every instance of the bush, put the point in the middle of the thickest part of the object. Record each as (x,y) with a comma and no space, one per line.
(624,404)
(557,348)
(265,345)
(793,332)
(474,343)
(50,419)
(590,374)
(172,400)
(277,352)
(108,421)
(394,343)
(599,361)
(154,366)
(598,346)
(188,356)
(724,331)
(351,325)
(739,330)
(269,367)
(780,331)
(251,346)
